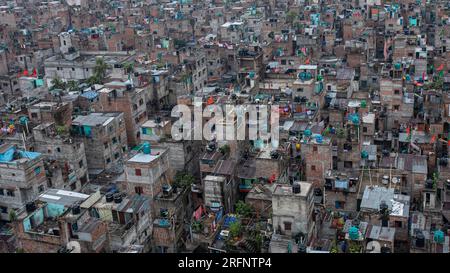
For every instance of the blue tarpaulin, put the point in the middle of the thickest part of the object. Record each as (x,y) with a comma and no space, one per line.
(341,184)
(229,219)
(90,95)
(7,156)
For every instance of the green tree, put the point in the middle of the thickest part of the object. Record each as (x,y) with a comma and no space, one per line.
(435,179)
(99,72)
(225,149)
(183,180)
(235,229)
(12,216)
(72,85)
(128,67)
(244,209)
(62,130)
(20,250)
(291,16)
(341,133)
(93,80)
(57,83)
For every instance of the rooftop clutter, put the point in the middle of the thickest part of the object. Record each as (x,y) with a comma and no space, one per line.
(87,138)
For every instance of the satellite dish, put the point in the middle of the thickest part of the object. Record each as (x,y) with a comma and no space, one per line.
(73,247)
(373,247)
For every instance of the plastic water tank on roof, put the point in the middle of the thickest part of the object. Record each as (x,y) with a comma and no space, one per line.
(146,148)
(308,132)
(439,236)
(363,104)
(319,138)
(353,233)
(364,154)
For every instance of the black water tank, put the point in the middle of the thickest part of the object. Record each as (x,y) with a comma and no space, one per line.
(30,206)
(301,248)
(429,184)
(296,188)
(385,249)
(420,240)
(117,198)
(109,197)
(56,232)
(383,206)
(76,209)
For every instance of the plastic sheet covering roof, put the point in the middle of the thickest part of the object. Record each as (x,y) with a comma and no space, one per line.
(381,233)
(400,205)
(229,219)
(341,184)
(62,197)
(288,124)
(369,118)
(7,154)
(90,95)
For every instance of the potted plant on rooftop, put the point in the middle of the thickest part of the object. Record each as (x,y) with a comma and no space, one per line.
(225,149)
(183,180)
(235,231)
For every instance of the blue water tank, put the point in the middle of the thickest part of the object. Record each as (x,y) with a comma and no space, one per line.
(353,233)
(439,236)
(146,148)
(23,120)
(355,119)
(308,133)
(319,138)
(364,154)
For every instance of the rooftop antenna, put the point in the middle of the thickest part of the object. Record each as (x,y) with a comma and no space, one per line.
(390,175)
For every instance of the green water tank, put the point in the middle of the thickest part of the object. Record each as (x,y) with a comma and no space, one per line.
(363,104)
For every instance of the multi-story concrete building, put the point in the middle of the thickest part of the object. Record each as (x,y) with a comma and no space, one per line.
(48,111)
(124,97)
(22,178)
(171,211)
(147,171)
(59,221)
(292,209)
(104,138)
(69,154)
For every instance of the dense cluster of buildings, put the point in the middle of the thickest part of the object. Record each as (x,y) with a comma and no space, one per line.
(89,161)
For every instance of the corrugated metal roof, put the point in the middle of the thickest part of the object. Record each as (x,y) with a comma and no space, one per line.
(381,233)
(224,167)
(373,196)
(412,163)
